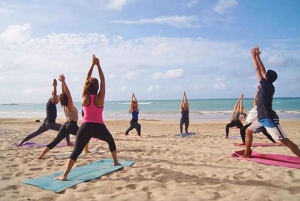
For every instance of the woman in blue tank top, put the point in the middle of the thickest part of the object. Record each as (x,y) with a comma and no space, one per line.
(134,110)
(184,109)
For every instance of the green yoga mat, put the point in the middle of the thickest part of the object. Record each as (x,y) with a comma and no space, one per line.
(77,175)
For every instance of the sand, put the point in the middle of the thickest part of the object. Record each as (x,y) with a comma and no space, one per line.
(166,167)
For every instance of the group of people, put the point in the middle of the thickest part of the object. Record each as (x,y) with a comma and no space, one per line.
(261,118)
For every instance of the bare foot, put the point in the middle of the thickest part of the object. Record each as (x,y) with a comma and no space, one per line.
(40,157)
(86,152)
(61,178)
(247,154)
(70,144)
(117,164)
(226,137)
(19,144)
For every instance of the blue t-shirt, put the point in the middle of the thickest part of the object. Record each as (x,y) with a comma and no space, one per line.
(135,114)
(265,99)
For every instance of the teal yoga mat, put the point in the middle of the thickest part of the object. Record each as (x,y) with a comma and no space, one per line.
(185,134)
(77,175)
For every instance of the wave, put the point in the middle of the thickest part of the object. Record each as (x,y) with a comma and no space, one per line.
(128,103)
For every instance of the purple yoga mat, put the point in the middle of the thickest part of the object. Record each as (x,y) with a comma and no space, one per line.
(270,159)
(36,144)
(260,144)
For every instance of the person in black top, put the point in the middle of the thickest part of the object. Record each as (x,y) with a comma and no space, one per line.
(184,109)
(235,119)
(266,116)
(49,122)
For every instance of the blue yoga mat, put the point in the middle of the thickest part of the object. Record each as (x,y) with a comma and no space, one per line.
(184,134)
(77,175)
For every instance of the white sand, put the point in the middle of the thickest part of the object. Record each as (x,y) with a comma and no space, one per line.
(167,167)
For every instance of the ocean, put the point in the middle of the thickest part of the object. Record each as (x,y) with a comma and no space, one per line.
(200,109)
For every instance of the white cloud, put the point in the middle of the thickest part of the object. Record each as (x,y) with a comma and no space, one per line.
(176,21)
(277,60)
(170,74)
(131,75)
(5,11)
(116,4)
(32,90)
(123,88)
(112,76)
(196,86)
(219,84)
(152,87)
(224,5)
(192,3)
(16,34)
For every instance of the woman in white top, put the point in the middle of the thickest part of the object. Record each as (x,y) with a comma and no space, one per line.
(71,113)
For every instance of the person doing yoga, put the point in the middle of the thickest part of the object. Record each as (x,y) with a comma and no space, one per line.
(49,122)
(184,109)
(266,116)
(134,110)
(235,119)
(92,124)
(71,113)
(252,116)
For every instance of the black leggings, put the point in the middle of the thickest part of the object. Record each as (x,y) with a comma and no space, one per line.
(43,128)
(134,124)
(186,124)
(67,128)
(264,131)
(232,124)
(86,132)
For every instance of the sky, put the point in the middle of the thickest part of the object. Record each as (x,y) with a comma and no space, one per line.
(155,48)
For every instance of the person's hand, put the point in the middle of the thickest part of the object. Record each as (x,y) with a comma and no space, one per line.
(253,52)
(257,50)
(242,95)
(258,87)
(54,83)
(95,61)
(61,78)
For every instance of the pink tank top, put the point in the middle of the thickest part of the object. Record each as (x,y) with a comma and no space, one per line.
(92,113)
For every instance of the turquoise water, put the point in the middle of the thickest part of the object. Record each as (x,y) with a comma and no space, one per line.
(161,109)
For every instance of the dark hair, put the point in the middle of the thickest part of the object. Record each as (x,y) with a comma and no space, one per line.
(271,76)
(63,98)
(91,85)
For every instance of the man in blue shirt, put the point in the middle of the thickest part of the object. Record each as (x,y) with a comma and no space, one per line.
(266,116)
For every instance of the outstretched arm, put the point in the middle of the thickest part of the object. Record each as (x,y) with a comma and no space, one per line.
(102,78)
(66,91)
(89,75)
(137,104)
(255,63)
(131,104)
(260,63)
(182,102)
(241,106)
(237,104)
(187,102)
(54,92)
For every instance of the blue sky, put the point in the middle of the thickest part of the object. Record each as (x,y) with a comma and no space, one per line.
(155,48)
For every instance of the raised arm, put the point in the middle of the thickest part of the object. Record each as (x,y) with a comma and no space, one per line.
(136,101)
(131,104)
(260,63)
(256,96)
(54,91)
(255,63)
(237,104)
(187,102)
(241,106)
(102,79)
(182,102)
(66,91)
(89,75)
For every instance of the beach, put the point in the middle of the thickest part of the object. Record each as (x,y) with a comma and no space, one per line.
(167,168)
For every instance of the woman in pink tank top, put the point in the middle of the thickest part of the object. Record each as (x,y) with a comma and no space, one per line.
(92,124)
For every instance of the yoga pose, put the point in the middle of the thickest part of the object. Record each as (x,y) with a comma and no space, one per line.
(49,122)
(266,116)
(92,124)
(184,109)
(252,116)
(134,110)
(71,113)
(235,119)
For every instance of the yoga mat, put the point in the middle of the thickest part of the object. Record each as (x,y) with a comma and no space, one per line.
(185,134)
(65,155)
(260,144)
(270,159)
(37,144)
(77,175)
